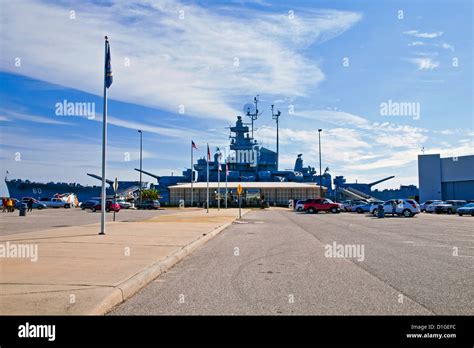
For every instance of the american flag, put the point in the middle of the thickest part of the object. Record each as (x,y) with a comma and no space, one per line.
(193,145)
(208,153)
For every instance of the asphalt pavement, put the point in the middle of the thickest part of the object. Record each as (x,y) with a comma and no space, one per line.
(37,220)
(277,261)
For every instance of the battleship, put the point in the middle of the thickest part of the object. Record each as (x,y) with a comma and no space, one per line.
(244,160)
(18,188)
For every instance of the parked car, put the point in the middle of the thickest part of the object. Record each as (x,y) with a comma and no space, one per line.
(124,204)
(430,208)
(425,204)
(88,204)
(349,205)
(148,204)
(55,203)
(300,205)
(109,206)
(405,207)
(365,207)
(466,210)
(322,204)
(36,204)
(450,207)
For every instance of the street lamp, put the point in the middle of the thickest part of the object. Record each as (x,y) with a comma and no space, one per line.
(141,142)
(320,170)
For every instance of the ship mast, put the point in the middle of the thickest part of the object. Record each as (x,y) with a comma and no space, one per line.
(254,116)
(275,117)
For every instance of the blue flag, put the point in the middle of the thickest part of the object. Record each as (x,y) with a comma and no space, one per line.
(108,66)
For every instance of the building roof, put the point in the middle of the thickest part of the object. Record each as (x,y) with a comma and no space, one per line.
(248,184)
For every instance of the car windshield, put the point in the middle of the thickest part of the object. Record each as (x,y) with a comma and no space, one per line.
(469,205)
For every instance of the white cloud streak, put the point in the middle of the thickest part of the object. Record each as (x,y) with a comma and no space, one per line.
(424,63)
(422,35)
(189,61)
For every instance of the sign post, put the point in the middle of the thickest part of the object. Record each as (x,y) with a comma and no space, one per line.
(115,193)
(239,193)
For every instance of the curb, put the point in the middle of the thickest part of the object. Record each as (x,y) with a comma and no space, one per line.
(131,286)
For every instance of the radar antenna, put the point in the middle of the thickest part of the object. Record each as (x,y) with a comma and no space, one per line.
(275,117)
(252,111)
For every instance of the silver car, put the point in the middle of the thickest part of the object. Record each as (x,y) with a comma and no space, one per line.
(405,207)
(425,204)
(430,208)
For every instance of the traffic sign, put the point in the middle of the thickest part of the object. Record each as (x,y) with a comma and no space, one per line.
(239,189)
(115,185)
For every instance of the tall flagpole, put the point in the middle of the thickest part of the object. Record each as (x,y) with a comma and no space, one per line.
(219,187)
(192,193)
(226,183)
(207,196)
(104,146)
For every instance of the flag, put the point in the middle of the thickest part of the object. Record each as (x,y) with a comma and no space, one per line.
(108,66)
(208,153)
(193,145)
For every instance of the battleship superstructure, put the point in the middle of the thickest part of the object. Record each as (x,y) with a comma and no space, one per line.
(247,161)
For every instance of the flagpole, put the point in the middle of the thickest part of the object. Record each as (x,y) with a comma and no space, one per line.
(104,147)
(219,187)
(192,197)
(226,184)
(207,196)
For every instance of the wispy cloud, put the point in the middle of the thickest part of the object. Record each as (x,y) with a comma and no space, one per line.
(35,118)
(417,43)
(424,63)
(446,46)
(177,58)
(422,35)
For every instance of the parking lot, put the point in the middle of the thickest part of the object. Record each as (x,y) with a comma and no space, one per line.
(37,220)
(418,265)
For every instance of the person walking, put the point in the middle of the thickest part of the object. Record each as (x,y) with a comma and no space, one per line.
(10,205)
(394,207)
(30,204)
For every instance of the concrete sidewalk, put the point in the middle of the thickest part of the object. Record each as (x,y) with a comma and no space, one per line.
(80,272)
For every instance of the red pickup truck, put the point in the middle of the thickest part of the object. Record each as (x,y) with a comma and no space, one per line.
(321,204)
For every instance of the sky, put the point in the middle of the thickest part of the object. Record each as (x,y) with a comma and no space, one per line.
(382,79)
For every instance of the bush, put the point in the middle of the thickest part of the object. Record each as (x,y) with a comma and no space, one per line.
(150,194)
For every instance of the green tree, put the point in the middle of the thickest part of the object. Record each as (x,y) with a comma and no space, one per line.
(150,194)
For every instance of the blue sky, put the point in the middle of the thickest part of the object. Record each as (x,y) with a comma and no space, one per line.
(324,64)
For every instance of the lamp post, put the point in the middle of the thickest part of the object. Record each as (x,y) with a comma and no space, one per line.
(320,173)
(275,117)
(141,143)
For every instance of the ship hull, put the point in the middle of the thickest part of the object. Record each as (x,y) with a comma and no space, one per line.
(18,189)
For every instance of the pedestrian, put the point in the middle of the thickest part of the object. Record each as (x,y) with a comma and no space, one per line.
(30,204)
(4,204)
(394,207)
(10,207)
